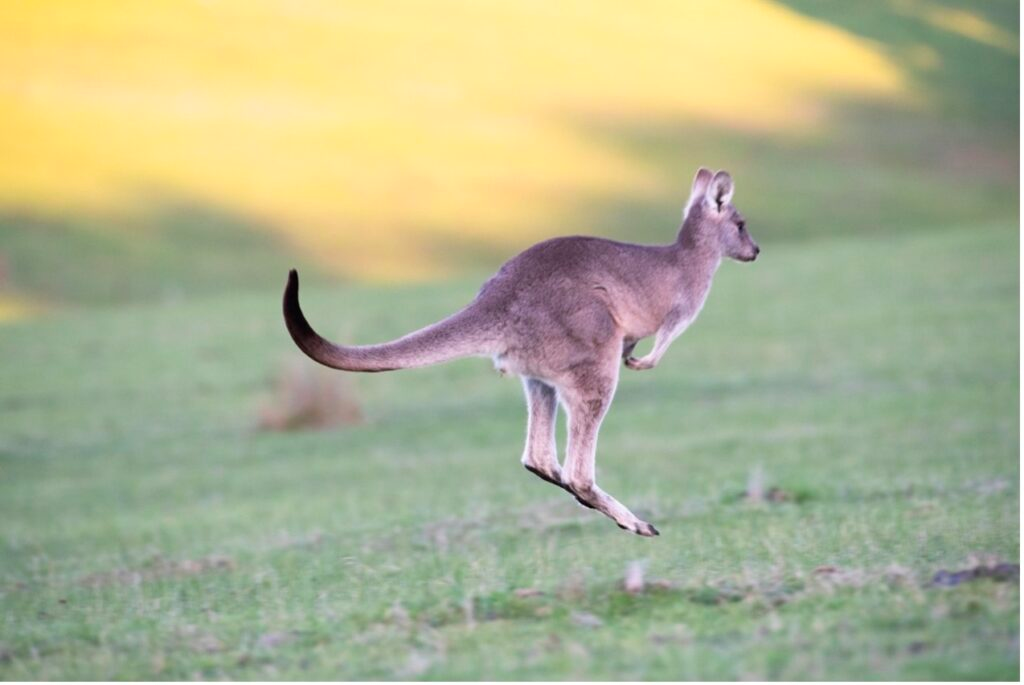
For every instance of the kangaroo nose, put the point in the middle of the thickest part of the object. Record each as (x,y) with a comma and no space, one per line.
(757,250)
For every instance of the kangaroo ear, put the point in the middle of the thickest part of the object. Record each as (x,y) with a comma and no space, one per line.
(701,182)
(720,190)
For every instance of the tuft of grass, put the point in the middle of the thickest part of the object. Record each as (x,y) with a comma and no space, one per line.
(308,396)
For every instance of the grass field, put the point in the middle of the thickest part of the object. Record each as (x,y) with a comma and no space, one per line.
(148,532)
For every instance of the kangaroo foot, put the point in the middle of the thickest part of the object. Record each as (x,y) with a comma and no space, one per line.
(554,479)
(595,498)
(583,502)
(641,528)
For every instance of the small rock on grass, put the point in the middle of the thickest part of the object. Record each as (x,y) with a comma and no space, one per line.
(416,665)
(273,639)
(587,620)
(208,644)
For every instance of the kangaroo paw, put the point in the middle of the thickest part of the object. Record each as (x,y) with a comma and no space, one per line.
(641,364)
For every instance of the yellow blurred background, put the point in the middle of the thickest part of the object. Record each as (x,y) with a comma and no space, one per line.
(368,137)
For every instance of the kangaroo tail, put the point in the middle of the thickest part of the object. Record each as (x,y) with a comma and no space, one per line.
(462,334)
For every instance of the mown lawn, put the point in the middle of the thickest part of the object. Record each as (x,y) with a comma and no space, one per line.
(148,531)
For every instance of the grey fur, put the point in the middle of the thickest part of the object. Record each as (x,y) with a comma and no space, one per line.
(561,315)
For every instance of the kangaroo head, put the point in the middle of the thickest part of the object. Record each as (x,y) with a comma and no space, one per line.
(710,220)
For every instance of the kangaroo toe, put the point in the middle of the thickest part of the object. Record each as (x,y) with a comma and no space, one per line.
(645,529)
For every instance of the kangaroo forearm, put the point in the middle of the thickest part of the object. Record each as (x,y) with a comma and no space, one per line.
(671,329)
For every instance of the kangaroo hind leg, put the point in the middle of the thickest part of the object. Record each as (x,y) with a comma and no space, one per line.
(540,456)
(586,405)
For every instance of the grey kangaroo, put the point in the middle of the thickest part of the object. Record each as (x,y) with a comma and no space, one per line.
(562,315)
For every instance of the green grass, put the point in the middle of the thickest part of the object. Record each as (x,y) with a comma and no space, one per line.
(148,532)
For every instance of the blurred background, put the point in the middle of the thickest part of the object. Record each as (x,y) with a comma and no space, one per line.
(169,149)
(831,453)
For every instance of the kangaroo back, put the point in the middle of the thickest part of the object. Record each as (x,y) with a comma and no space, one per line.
(463,334)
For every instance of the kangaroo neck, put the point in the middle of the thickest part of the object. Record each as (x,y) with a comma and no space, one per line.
(697,265)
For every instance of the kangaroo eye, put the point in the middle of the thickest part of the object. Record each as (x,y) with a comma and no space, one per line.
(740,225)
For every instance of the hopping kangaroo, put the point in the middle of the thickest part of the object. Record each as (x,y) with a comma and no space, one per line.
(562,315)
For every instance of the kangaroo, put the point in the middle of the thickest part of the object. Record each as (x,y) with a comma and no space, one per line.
(562,315)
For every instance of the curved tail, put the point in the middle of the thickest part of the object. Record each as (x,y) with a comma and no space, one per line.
(462,334)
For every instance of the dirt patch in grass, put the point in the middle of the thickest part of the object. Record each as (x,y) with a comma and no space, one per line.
(1000,572)
(159,568)
(593,606)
